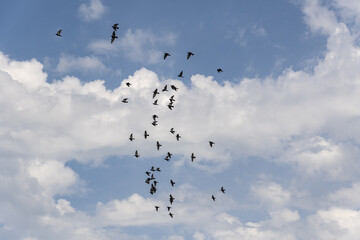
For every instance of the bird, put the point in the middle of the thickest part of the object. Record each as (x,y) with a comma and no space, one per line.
(158,169)
(155,182)
(125,100)
(171,215)
(167,158)
(136,154)
(157,208)
(155,116)
(147,173)
(192,157)
(115,26)
(170,106)
(146,134)
(222,189)
(169,154)
(172,99)
(172,130)
(165,89)
(128,84)
(178,137)
(181,74)
(213,197)
(168,207)
(154,123)
(155,102)
(131,137)
(219,70)
(152,169)
(155,92)
(158,145)
(189,54)
(171,199)
(174,88)
(172,182)
(113,36)
(148,180)
(166,55)
(211,143)
(59,33)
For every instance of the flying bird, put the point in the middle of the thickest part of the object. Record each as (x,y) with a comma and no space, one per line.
(158,169)
(155,116)
(172,98)
(169,154)
(113,36)
(171,199)
(155,182)
(168,207)
(136,154)
(174,88)
(155,102)
(189,54)
(155,92)
(115,26)
(146,134)
(166,55)
(59,33)
(172,130)
(131,137)
(178,137)
(125,100)
(128,84)
(154,123)
(158,145)
(222,189)
(147,173)
(170,106)
(192,157)
(167,158)
(213,197)
(152,169)
(211,143)
(219,70)
(171,215)
(157,208)
(172,182)
(148,180)
(181,74)
(165,89)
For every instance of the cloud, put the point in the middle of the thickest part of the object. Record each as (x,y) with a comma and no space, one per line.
(68,63)
(91,11)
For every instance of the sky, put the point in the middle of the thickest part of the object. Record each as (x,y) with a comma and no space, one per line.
(284,115)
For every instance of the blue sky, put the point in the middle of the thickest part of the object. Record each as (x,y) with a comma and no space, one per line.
(283,115)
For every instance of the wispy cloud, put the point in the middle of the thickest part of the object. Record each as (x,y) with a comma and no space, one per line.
(69,63)
(93,10)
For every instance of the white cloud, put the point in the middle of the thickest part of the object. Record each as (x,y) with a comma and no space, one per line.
(91,11)
(68,63)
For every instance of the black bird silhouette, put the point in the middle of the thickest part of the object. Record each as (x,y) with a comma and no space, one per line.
(213,197)
(59,33)
(131,137)
(147,173)
(152,169)
(170,106)
(192,157)
(165,89)
(169,154)
(158,169)
(128,84)
(167,158)
(155,92)
(157,208)
(155,182)
(178,137)
(154,123)
(171,199)
(181,74)
(158,145)
(172,98)
(172,182)
(136,154)
(222,189)
(155,116)
(115,26)
(168,207)
(171,215)
(174,88)
(152,177)
(189,54)
(125,100)
(113,36)
(151,191)
(146,134)
(211,143)
(148,180)
(166,55)
(172,130)
(155,102)
(219,70)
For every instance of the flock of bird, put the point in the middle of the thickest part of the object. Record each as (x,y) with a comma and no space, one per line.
(151,180)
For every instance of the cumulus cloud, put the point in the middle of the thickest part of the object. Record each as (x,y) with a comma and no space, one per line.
(93,10)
